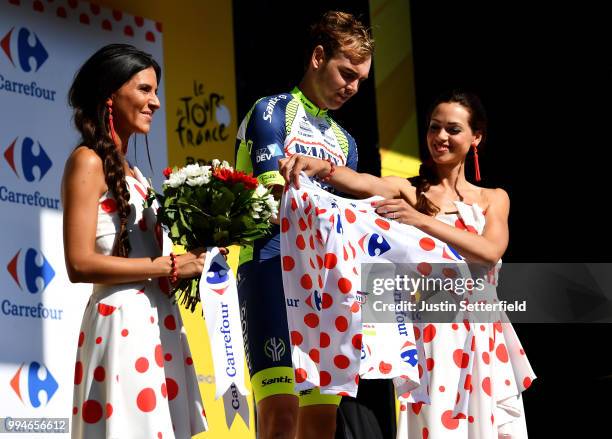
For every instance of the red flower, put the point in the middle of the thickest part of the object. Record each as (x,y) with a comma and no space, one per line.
(167,172)
(233,177)
(247,179)
(222,174)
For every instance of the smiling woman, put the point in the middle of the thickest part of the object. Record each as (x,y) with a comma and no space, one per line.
(114,242)
(473,222)
(134,103)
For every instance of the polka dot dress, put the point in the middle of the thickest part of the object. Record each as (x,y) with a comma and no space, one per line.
(134,375)
(476,371)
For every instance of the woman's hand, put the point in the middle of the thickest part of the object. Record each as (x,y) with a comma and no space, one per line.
(291,167)
(399,210)
(191,264)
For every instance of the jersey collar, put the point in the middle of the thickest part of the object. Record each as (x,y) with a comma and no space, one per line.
(308,105)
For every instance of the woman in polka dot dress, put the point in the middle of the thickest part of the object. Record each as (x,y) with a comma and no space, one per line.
(476,372)
(134,376)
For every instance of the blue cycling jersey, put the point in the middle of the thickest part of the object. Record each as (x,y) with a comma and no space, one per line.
(279,126)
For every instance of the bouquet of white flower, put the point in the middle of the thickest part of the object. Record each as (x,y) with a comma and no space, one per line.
(212,205)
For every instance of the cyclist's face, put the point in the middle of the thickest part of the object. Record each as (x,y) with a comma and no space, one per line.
(339,78)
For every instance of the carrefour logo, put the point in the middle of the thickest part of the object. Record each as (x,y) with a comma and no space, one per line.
(409,354)
(33,268)
(374,244)
(217,278)
(31,381)
(32,156)
(23,48)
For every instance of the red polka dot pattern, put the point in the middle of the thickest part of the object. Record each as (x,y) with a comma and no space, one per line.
(109,205)
(296,338)
(324,340)
(448,421)
(91,411)
(427,244)
(99,374)
(146,400)
(341,323)
(382,224)
(170,323)
(341,361)
(324,378)
(348,235)
(159,355)
(78,373)
(344,285)
(142,364)
(311,320)
(429,333)
(300,375)
(173,388)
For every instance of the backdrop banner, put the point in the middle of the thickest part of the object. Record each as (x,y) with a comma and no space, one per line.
(42,44)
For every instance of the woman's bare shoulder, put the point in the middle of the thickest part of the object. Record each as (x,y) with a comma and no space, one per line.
(84,166)
(495,199)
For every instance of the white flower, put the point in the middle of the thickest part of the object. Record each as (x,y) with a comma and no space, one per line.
(193,171)
(260,191)
(272,205)
(205,170)
(176,179)
(198,181)
(215,163)
(226,165)
(271,202)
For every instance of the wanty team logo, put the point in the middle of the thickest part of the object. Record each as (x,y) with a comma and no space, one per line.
(274,348)
(34,268)
(31,155)
(32,381)
(217,277)
(24,48)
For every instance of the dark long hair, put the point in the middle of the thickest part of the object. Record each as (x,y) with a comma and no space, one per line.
(427,172)
(101,75)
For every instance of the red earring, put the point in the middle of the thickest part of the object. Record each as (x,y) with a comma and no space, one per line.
(476,165)
(109,106)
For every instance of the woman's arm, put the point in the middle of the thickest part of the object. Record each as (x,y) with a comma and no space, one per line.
(82,186)
(346,180)
(487,248)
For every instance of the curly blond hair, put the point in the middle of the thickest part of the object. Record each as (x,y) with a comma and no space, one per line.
(341,32)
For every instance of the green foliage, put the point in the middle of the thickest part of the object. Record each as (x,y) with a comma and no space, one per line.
(216,214)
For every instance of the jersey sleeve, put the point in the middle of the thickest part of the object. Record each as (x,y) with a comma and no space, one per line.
(261,138)
(352,156)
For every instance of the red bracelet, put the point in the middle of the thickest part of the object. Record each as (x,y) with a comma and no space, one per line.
(331,170)
(174,269)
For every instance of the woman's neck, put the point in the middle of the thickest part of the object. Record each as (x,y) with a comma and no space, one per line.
(452,178)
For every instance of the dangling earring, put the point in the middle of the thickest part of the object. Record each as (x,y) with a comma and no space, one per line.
(476,165)
(109,106)
(148,153)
